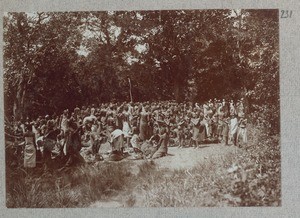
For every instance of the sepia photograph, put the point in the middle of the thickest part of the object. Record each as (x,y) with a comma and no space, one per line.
(142,108)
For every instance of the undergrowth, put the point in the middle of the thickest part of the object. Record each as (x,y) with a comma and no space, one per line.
(248,177)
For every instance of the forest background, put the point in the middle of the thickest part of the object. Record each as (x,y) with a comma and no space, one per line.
(59,60)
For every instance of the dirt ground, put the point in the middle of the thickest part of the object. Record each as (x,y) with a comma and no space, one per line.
(177,158)
(184,158)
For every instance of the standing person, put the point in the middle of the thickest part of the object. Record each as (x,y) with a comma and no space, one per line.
(246,105)
(242,131)
(232,108)
(225,107)
(196,131)
(30,147)
(220,123)
(119,118)
(144,120)
(96,135)
(126,125)
(233,129)
(180,134)
(206,108)
(202,130)
(49,143)
(208,126)
(214,126)
(64,122)
(240,109)
(73,144)
(225,128)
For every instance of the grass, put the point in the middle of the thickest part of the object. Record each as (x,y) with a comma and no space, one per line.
(76,188)
(250,177)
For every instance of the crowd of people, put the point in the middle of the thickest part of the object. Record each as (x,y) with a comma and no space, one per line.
(140,130)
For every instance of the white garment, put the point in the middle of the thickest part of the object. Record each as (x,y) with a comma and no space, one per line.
(29,153)
(135,141)
(90,118)
(117,140)
(116,133)
(64,123)
(126,129)
(233,126)
(242,135)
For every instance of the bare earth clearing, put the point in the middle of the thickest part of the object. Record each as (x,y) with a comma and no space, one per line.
(178,158)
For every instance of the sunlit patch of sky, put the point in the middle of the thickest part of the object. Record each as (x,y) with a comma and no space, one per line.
(83,51)
(130,60)
(141,48)
(139,16)
(114,31)
(235,13)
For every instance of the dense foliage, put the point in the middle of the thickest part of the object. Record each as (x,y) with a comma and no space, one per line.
(54,61)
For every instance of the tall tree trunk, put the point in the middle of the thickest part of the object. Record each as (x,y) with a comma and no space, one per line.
(177,92)
(178,87)
(180,77)
(18,109)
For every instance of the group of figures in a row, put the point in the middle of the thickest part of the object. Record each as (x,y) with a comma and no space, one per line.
(141,130)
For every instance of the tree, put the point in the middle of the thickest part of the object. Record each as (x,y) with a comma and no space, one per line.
(87,57)
(38,49)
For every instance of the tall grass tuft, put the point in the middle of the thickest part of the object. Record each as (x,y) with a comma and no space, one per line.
(76,188)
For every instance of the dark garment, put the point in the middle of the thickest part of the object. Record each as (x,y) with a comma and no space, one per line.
(73,144)
(52,134)
(96,146)
(202,133)
(144,128)
(119,123)
(163,146)
(225,132)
